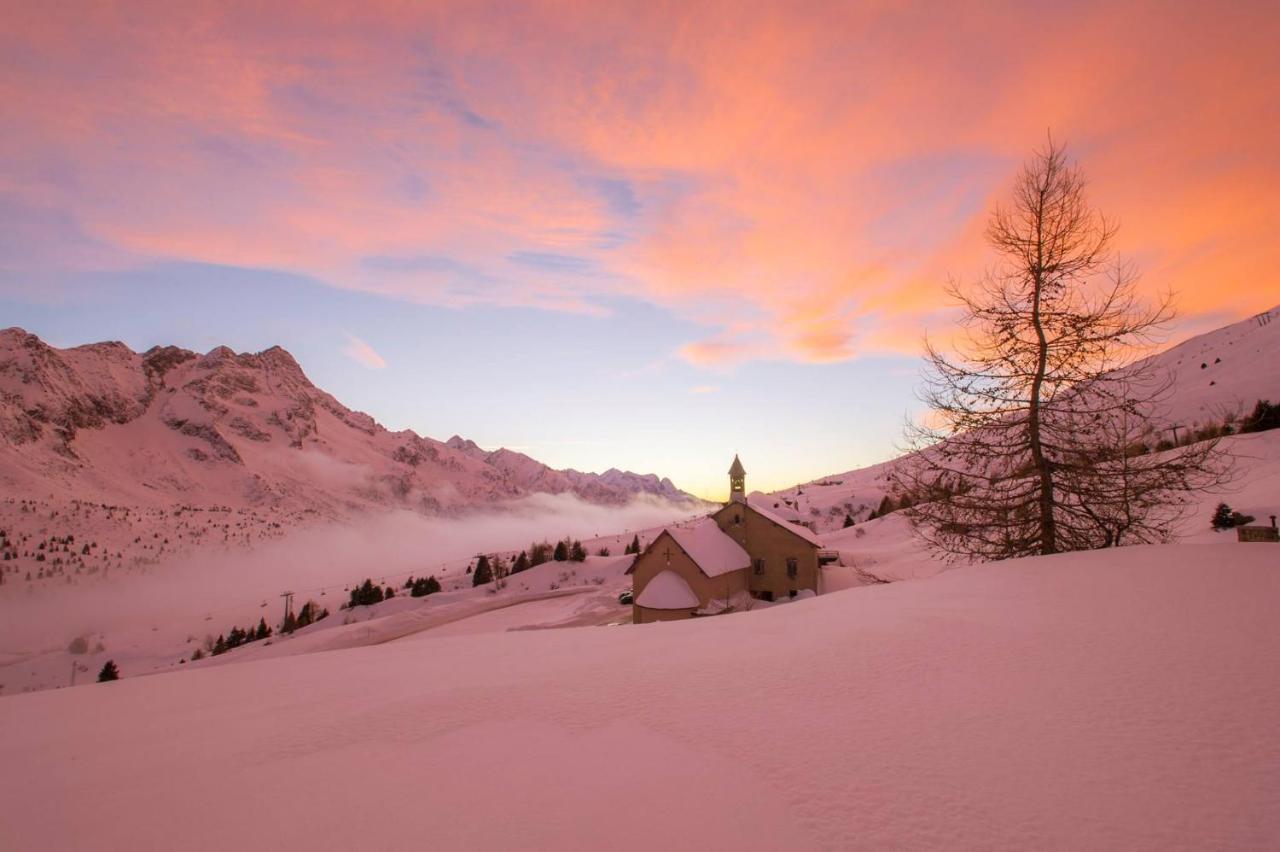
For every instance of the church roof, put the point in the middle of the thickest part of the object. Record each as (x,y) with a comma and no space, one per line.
(714,552)
(667,590)
(736,469)
(758,506)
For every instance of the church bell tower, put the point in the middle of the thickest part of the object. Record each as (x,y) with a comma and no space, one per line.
(737,481)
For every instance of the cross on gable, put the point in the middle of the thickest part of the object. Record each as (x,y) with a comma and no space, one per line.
(667,553)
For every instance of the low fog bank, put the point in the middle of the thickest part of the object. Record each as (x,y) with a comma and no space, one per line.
(230,586)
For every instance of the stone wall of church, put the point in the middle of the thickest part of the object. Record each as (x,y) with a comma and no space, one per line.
(774,544)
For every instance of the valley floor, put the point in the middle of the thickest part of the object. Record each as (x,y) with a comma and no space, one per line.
(1113,699)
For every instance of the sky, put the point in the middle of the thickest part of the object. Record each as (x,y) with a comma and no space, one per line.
(635,235)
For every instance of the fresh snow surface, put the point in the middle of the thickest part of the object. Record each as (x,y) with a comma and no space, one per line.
(714,551)
(667,590)
(1103,700)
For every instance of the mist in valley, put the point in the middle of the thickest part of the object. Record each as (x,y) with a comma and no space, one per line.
(208,591)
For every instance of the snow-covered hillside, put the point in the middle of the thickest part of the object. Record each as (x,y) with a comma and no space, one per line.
(1077,701)
(170,427)
(1215,376)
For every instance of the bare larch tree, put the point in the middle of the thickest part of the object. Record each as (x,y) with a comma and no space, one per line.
(1034,444)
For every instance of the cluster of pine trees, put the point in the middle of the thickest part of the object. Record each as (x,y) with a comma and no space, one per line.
(309,614)
(367,594)
(422,586)
(633,547)
(1265,416)
(1225,518)
(492,568)
(238,636)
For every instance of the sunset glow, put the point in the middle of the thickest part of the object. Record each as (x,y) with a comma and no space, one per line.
(699,190)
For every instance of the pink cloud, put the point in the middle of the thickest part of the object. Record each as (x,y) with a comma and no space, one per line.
(362,353)
(805,181)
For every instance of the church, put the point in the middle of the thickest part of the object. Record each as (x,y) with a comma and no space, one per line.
(722,561)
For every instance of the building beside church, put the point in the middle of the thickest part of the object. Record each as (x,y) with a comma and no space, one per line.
(718,562)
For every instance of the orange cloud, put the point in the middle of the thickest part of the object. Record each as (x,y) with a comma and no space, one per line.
(803,184)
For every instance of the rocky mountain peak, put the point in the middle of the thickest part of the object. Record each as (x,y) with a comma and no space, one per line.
(457,442)
(232,427)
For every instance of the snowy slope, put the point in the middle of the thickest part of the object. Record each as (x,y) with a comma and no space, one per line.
(1077,701)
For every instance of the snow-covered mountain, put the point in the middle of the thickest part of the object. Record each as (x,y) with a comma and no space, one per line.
(1215,376)
(533,475)
(169,426)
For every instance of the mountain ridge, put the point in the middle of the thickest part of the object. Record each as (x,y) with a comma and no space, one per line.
(245,429)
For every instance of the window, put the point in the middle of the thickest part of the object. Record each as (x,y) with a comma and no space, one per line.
(737,519)
(759,566)
(793,567)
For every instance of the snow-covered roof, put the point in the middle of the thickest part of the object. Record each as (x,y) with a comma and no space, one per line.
(667,590)
(707,545)
(804,532)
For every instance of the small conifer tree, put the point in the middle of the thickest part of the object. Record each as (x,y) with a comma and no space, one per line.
(539,552)
(561,553)
(483,573)
(1222,517)
(109,672)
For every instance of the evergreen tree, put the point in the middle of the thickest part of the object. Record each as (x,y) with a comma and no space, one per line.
(1265,416)
(263,630)
(1222,517)
(424,586)
(561,553)
(848,521)
(521,563)
(635,544)
(109,672)
(483,573)
(219,647)
(388,593)
(539,552)
(366,594)
(577,553)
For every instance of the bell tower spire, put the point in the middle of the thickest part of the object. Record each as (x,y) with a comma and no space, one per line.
(737,481)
